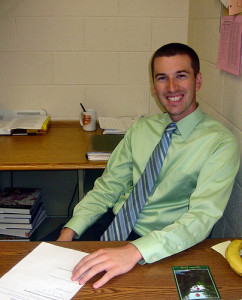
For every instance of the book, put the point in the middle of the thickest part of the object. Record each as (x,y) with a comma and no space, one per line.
(100,147)
(15,218)
(22,232)
(20,200)
(25,125)
(29,223)
(20,218)
(9,238)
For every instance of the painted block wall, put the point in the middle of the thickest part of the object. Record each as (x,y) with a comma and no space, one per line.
(56,53)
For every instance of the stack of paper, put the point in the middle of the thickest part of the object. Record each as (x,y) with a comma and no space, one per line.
(117,125)
(25,125)
(45,273)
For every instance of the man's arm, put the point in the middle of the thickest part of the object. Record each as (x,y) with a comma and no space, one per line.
(115,181)
(66,235)
(114,261)
(206,207)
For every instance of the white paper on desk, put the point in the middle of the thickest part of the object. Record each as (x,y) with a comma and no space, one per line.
(221,247)
(35,122)
(116,125)
(45,273)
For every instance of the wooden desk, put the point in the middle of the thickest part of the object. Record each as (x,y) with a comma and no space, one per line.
(62,148)
(150,281)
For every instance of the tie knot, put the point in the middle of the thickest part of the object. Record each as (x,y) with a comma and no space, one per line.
(171,127)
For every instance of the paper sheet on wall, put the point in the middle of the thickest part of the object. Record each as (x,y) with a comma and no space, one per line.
(229,53)
(45,273)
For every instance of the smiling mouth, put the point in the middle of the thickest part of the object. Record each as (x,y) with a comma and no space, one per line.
(174,98)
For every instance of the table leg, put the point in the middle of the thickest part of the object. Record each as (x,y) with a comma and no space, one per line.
(81,177)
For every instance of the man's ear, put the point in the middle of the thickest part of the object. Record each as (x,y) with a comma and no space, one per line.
(198,81)
(154,90)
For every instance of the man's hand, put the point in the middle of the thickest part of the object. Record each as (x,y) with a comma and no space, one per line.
(115,261)
(66,235)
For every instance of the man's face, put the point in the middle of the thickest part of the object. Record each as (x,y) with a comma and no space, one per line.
(175,85)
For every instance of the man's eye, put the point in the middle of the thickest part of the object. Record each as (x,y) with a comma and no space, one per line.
(181,76)
(161,78)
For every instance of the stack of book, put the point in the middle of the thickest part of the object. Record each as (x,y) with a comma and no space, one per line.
(21,212)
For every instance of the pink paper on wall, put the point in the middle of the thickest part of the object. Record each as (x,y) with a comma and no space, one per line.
(229,53)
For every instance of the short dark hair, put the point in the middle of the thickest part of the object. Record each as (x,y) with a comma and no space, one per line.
(173,49)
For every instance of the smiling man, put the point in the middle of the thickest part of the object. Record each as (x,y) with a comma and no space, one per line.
(176,83)
(184,184)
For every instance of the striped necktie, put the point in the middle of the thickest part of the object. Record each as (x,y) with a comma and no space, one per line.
(124,221)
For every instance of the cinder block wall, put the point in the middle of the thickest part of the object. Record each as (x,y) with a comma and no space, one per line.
(220,96)
(56,53)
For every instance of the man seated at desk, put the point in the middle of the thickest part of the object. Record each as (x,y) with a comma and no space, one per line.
(165,203)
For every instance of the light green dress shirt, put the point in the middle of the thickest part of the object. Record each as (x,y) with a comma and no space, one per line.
(191,192)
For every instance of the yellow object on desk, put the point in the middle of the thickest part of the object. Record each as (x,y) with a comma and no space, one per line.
(43,130)
(25,125)
(233,256)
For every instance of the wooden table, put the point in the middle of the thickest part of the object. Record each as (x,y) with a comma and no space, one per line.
(150,281)
(62,148)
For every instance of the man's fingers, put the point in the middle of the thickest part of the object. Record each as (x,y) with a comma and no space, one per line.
(98,268)
(104,279)
(84,260)
(86,264)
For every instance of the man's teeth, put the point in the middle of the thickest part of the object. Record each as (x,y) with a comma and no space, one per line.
(176,98)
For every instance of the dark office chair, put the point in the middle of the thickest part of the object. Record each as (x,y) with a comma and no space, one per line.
(230,225)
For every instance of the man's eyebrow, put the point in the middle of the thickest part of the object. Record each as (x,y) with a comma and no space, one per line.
(182,71)
(160,74)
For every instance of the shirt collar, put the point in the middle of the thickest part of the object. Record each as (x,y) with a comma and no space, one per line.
(187,124)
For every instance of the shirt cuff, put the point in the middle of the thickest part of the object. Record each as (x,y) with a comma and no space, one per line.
(76,224)
(148,247)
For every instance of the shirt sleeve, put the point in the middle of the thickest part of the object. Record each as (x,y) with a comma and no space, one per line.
(207,204)
(115,181)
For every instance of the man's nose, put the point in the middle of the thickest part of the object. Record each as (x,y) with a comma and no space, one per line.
(172,85)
